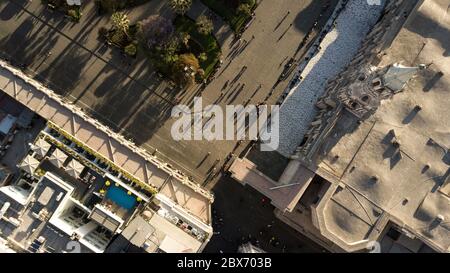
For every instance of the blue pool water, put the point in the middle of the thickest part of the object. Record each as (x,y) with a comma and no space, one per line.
(120,197)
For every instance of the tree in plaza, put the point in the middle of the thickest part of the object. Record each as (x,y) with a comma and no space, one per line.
(186,69)
(203,57)
(109,5)
(244,9)
(155,31)
(180,6)
(120,22)
(204,25)
(250,2)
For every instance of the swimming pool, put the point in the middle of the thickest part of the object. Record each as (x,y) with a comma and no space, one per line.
(120,197)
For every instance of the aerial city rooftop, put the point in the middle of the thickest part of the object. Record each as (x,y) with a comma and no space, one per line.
(89,162)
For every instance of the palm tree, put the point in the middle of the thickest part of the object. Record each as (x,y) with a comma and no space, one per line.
(204,25)
(180,6)
(120,22)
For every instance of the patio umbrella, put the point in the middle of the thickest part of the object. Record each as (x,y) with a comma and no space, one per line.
(74,168)
(29,164)
(57,158)
(41,147)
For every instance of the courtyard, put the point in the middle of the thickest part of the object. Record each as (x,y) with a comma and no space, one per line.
(241,215)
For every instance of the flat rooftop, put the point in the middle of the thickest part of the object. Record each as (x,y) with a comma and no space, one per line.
(413,187)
